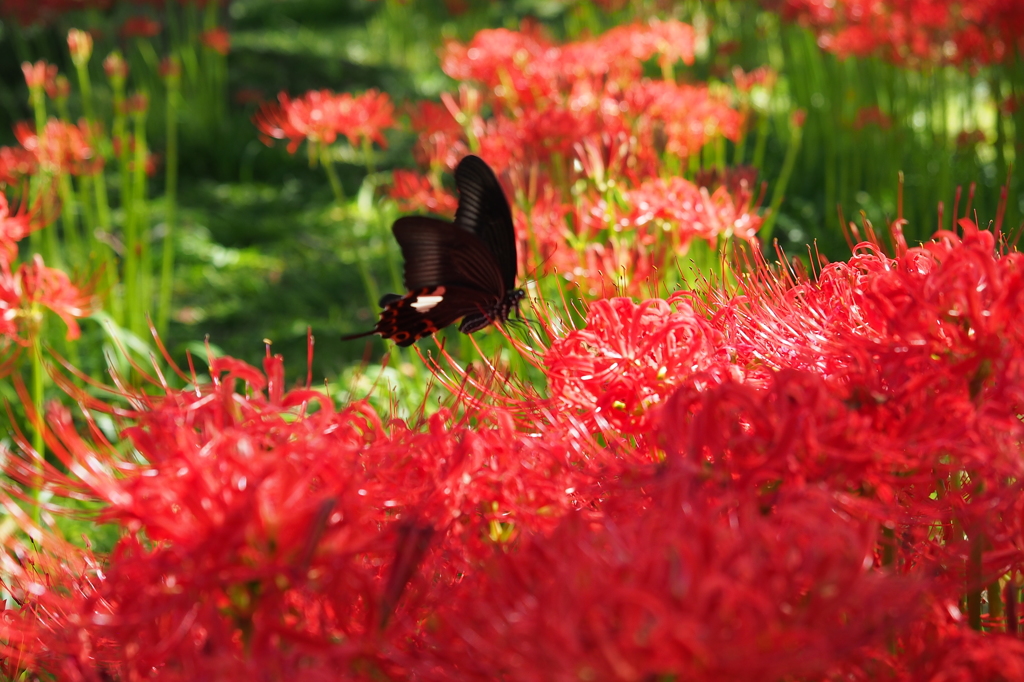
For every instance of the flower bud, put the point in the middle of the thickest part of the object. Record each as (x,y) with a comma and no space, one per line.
(58,88)
(36,74)
(80,45)
(116,68)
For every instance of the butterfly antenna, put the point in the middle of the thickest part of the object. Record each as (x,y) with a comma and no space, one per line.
(350,337)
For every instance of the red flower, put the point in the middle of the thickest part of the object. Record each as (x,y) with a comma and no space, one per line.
(39,75)
(80,46)
(272,528)
(16,164)
(64,148)
(872,116)
(59,88)
(115,67)
(440,143)
(320,116)
(688,116)
(217,39)
(913,31)
(35,285)
(140,27)
(13,228)
(669,584)
(679,206)
(629,358)
(415,193)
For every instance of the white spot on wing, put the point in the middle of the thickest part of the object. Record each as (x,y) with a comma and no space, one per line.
(424,303)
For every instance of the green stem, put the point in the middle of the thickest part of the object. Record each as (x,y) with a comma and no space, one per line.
(38,439)
(171,203)
(68,213)
(103,224)
(38,182)
(372,292)
(138,219)
(779,192)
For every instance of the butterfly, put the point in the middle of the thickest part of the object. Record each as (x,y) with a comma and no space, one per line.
(463,270)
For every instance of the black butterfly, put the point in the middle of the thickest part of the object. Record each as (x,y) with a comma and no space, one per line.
(465,269)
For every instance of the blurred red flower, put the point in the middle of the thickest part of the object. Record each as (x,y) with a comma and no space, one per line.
(914,32)
(63,148)
(669,584)
(320,116)
(217,39)
(39,75)
(416,193)
(140,27)
(13,228)
(31,286)
(16,164)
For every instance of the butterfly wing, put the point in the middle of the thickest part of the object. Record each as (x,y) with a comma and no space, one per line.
(465,269)
(438,253)
(484,211)
(423,312)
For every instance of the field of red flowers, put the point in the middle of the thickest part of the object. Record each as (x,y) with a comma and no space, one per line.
(760,418)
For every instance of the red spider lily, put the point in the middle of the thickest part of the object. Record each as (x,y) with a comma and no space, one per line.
(632,232)
(628,359)
(136,103)
(677,205)
(13,228)
(762,76)
(523,70)
(688,116)
(439,144)
(579,118)
(16,164)
(940,647)
(170,68)
(39,75)
(931,332)
(320,116)
(28,12)
(413,192)
(518,65)
(63,147)
(23,293)
(59,88)
(872,116)
(140,27)
(913,31)
(671,41)
(272,527)
(80,46)
(548,99)
(217,39)
(966,139)
(670,584)
(116,68)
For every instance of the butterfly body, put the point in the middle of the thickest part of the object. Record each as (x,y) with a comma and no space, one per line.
(462,270)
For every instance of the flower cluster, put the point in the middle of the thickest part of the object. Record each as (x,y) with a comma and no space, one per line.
(44,12)
(320,116)
(737,485)
(275,525)
(913,31)
(28,288)
(582,132)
